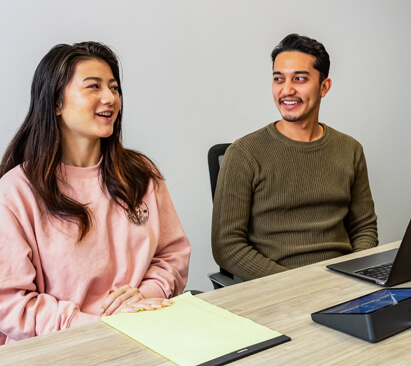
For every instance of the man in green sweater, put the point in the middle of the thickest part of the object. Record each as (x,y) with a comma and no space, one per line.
(295,192)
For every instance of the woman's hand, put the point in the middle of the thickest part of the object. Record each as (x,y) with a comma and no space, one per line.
(144,304)
(121,296)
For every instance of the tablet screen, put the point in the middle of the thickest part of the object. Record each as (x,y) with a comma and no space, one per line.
(369,303)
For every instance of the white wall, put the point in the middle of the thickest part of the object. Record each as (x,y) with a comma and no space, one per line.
(198,72)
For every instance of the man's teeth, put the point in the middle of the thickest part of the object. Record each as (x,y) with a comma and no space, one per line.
(105,114)
(286,102)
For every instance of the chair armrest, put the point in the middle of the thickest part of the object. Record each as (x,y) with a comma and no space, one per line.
(193,292)
(219,280)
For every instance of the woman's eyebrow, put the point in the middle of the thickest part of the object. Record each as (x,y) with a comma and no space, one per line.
(96,78)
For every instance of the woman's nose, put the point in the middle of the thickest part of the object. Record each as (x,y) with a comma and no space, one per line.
(107,96)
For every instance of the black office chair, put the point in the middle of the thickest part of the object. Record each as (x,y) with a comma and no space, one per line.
(215,157)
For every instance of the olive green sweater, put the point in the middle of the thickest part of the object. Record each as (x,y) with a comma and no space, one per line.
(282,204)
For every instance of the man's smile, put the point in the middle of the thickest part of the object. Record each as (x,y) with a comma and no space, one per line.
(290,102)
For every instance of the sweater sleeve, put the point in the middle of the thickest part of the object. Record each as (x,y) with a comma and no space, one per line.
(25,311)
(168,270)
(361,220)
(232,205)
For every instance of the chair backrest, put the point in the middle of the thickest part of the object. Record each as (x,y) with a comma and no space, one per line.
(215,157)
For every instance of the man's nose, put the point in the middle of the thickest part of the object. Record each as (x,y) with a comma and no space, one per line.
(288,88)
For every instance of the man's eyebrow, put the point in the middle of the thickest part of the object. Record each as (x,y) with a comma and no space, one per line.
(98,79)
(295,73)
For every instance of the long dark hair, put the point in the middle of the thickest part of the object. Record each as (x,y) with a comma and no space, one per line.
(37,144)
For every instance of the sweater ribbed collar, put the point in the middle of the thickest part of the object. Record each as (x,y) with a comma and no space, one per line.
(299,144)
(70,171)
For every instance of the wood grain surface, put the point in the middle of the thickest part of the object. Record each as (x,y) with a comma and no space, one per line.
(283,302)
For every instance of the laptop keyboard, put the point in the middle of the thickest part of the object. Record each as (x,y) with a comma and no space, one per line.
(380,272)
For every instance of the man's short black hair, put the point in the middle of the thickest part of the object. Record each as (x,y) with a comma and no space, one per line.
(295,42)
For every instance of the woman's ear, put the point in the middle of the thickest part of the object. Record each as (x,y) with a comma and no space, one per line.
(58,110)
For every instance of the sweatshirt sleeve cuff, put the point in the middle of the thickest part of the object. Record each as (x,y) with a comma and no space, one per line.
(80,318)
(150,291)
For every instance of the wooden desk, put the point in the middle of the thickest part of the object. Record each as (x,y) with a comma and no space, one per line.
(283,302)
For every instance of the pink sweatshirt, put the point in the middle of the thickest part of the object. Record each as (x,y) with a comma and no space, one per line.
(48,281)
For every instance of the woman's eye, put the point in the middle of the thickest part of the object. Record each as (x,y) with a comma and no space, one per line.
(93,86)
(115,88)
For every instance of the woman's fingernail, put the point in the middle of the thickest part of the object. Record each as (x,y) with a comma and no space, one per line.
(155,306)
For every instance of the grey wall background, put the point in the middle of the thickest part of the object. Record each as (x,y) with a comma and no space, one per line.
(198,72)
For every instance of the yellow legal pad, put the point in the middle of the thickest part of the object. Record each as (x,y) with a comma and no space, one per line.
(192,331)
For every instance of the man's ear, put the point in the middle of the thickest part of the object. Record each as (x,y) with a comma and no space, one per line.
(325,87)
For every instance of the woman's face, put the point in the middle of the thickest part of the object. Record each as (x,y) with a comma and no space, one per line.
(91,102)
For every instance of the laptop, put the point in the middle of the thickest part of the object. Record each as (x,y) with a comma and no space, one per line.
(388,268)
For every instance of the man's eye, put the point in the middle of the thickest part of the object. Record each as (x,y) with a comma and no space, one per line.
(277,79)
(300,79)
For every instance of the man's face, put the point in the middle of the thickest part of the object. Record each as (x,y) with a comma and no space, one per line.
(297,89)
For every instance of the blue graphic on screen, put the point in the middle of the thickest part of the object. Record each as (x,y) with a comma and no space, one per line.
(369,303)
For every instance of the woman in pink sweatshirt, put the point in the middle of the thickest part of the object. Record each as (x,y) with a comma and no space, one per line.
(87,227)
